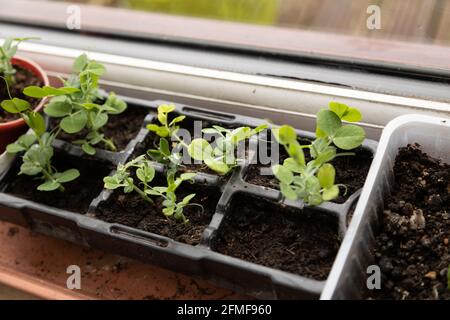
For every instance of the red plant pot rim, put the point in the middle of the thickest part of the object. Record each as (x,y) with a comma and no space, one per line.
(37,71)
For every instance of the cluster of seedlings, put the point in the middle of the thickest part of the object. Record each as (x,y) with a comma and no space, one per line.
(79,108)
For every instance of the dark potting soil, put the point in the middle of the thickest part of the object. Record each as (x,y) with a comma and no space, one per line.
(351,171)
(24,78)
(414,253)
(288,239)
(121,128)
(79,193)
(131,210)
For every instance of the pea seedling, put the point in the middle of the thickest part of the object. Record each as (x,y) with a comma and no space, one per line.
(314,182)
(221,157)
(7,52)
(37,159)
(166,129)
(145,173)
(76,104)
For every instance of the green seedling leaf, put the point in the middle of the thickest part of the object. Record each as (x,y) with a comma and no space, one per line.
(58,108)
(35,121)
(166,108)
(288,192)
(188,198)
(38,92)
(259,129)
(115,105)
(352,115)
(88,149)
(112,183)
(74,122)
(217,165)
(35,92)
(210,131)
(15,148)
(15,105)
(293,165)
(67,176)
(146,173)
(49,186)
(296,152)
(176,120)
(90,106)
(339,108)
(326,175)
(328,122)
(80,63)
(164,146)
(187,176)
(240,134)
(349,137)
(200,149)
(29,168)
(285,135)
(23,143)
(283,174)
(330,193)
(98,120)
(94,68)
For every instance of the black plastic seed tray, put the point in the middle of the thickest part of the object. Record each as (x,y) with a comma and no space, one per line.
(200,260)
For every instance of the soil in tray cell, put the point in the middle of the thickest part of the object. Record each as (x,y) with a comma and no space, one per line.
(121,128)
(78,193)
(412,248)
(288,239)
(130,210)
(24,78)
(351,171)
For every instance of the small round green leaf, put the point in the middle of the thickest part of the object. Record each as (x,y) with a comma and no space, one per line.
(352,115)
(58,109)
(283,174)
(326,175)
(349,137)
(328,122)
(288,192)
(200,149)
(88,149)
(111,183)
(75,122)
(166,108)
(80,63)
(330,193)
(36,122)
(339,108)
(286,135)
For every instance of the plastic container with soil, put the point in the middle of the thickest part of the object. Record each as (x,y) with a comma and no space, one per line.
(401,222)
(125,225)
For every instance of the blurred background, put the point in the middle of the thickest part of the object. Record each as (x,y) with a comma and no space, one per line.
(422,21)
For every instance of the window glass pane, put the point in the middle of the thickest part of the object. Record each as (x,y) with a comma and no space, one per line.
(412,20)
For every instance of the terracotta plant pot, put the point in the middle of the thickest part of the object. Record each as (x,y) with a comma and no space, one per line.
(10,131)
